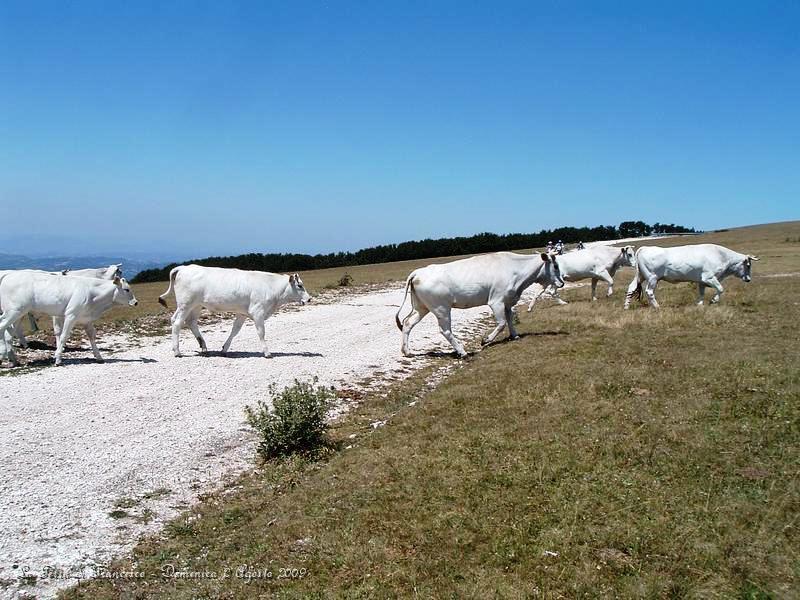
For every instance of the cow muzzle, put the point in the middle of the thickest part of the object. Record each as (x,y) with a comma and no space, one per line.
(747,278)
(133,302)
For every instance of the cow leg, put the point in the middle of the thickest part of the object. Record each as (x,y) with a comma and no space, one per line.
(192,322)
(499,311)
(714,282)
(553,291)
(443,316)
(409,323)
(701,292)
(91,332)
(237,326)
(32,323)
(7,321)
(650,290)
(19,333)
(258,321)
(58,325)
(5,345)
(177,323)
(605,276)
(512,333)
(69,321)
(535,298)
(632,287)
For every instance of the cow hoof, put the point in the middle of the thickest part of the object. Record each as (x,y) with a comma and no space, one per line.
(99,360)
(267,355)
(178,355)
(513,337)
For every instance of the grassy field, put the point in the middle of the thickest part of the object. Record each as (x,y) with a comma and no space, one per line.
(604,454)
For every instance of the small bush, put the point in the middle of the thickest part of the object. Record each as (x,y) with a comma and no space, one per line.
(296,424)
(346,280)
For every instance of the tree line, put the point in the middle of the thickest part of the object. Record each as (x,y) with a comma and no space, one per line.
(427,248)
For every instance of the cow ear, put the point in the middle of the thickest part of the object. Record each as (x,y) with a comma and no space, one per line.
(117,280)
(753,257)
(545,257)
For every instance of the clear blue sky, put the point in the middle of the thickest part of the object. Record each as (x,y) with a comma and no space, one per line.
(218,127)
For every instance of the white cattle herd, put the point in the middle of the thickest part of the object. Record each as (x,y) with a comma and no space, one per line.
(496,280)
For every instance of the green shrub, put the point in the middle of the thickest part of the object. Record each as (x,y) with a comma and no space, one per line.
(297,422)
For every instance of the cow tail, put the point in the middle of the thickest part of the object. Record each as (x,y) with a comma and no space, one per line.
(409,285)
(172,275)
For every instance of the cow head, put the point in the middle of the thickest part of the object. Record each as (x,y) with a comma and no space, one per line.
(298,291)
(114,270)
(552,270)
(628,256)
(743,268)
(124,293)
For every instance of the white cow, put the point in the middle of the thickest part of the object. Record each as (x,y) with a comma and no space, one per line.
(496,279)
(253,294)
(74,300)
(706,264)
(598,262)
(108,273)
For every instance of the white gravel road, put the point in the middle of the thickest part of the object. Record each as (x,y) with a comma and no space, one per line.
(77,440)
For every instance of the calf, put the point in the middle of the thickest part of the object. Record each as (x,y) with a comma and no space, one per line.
(496,280)
(253,294)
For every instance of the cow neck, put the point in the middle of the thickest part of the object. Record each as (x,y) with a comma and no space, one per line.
(535,272)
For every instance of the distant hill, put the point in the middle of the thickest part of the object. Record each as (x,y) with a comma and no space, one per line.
(130,267)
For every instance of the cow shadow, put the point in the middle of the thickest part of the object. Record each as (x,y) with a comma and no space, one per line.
(39,363)
(441,354)
(141,359)
(520,336)
(219,353)
(540,334)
